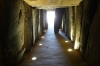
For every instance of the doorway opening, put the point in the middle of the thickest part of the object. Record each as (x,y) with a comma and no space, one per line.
(50,18)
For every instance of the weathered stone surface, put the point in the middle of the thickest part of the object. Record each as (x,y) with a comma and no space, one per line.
(92,53)
(86,22)
(73,24)
(59,12)
(21,24)
(45,23)
(28,27)
(49,4)
(35,20)
(69,22)
(41,22)
(88,15)
(77,26)
(12,31)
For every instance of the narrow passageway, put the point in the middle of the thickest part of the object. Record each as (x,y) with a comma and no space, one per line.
(24,42)
(53,51)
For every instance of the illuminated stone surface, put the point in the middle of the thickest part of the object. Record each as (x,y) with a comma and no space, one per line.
(48,4)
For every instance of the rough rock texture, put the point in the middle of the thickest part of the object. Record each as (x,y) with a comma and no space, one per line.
(88,14)
(86,30)
(63,25)
(22,25)
(92,53)
(49,4)
(73,24)
(45,23)
(59,12)
(69,22)
(18,27)
(28,27)
(77,26)
(35,23)
(12,33)
(41,22)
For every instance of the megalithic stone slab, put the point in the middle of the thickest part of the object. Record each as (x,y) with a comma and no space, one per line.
(48,4)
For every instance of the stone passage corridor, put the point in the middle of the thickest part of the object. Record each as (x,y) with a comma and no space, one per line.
(53,51)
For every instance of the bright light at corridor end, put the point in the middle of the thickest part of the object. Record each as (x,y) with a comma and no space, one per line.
(50,17)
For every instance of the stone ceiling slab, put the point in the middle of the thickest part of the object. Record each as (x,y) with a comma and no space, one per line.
(49,4)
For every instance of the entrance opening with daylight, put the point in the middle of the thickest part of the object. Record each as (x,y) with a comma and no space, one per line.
(50,18)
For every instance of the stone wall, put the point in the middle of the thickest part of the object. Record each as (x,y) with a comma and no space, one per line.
(21,26)
(19,30)
(1,21)
(28,39)
(35,24)
(73,25)
(92,52)
(70,22)
(88,14)
(86,23)
(12,33)
(41,22)
(77,26)
(59,12)
(45,23)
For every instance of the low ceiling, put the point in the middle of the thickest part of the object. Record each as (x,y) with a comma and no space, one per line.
(51,4)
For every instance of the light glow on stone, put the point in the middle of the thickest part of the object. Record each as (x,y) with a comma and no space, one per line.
(76,46)
(71,34)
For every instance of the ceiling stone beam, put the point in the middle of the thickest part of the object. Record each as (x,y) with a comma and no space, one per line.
(48,4)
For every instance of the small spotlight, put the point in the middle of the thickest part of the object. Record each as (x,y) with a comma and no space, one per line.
(45,30)
(34,58)
(69,50)
(40,44)
(66,41)
(42,37)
